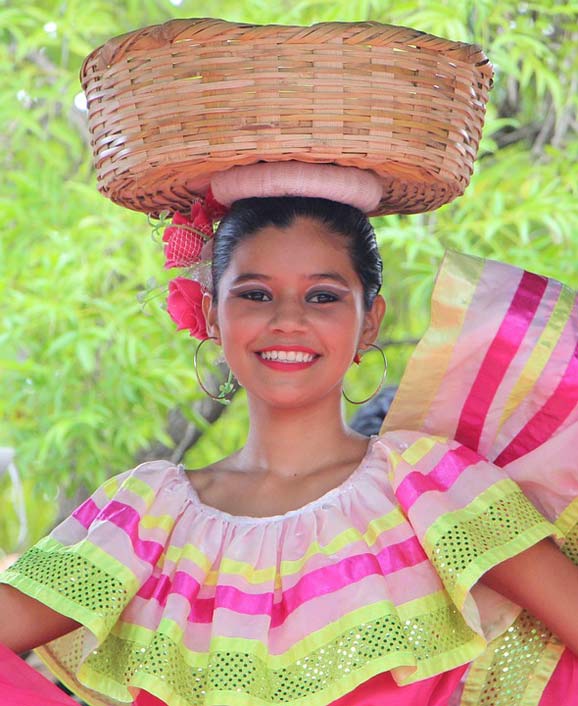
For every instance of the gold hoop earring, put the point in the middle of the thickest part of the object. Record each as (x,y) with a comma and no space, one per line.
(226,388)
(378,388)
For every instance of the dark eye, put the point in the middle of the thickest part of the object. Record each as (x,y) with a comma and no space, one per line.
(255,295)
(322,297)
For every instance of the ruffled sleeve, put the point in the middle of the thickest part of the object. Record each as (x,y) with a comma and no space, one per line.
(468,515)
(93,565)
(497,370)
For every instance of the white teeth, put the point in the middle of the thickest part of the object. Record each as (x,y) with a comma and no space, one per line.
(288,356)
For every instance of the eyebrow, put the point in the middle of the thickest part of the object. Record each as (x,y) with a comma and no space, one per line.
(335,276)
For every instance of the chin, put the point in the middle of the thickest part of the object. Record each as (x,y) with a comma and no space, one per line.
(290,399)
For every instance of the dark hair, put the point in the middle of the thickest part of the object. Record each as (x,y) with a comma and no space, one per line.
(247,216)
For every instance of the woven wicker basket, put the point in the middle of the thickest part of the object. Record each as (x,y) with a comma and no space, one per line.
(173,104)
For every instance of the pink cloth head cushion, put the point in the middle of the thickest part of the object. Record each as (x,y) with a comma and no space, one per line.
(357,187)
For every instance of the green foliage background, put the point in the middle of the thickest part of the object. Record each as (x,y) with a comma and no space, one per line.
(88,377)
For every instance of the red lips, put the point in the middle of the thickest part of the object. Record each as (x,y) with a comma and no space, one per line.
(284,365)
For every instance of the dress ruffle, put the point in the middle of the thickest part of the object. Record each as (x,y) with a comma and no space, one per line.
(197,606)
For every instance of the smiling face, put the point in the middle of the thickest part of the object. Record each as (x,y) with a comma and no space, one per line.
(290,313)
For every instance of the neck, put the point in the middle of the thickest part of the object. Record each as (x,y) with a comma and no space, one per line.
(297,441)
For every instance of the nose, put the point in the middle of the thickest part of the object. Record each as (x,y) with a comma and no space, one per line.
(288,314)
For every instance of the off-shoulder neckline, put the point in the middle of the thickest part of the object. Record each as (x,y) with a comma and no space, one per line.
(272,519)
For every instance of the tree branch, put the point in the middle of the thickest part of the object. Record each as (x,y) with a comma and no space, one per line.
(185,434)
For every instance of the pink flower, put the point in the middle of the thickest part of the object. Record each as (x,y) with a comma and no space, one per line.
(184,244)
(184,306)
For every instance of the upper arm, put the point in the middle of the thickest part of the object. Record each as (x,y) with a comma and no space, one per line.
(27,623)
(545,582)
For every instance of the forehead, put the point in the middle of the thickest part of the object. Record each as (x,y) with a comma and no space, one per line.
(305,244)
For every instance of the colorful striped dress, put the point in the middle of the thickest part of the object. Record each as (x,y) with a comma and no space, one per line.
(370,594)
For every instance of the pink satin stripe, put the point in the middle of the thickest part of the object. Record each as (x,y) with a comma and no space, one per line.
(548,419)
(86,513)
(440,478)
(159,587)
(562,687)
(146,699)
(316,583)
(498,358)
(125,518)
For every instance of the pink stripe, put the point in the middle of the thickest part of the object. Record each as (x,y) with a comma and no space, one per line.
(401,555)
(316,583)
(562,687)
(157,587)
(86,513)
(498,358)
(548,419)
(440,478)
(125,518)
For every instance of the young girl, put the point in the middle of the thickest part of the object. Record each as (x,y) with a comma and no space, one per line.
(314,565)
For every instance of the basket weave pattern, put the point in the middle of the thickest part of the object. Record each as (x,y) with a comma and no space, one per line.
(171,105)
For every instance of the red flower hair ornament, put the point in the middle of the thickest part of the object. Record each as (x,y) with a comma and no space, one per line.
(188,244)
(184,306)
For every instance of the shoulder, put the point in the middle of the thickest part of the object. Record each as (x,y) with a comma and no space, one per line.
(213,475)
(220,467)
(150,472)
(200,478)
(149,486)
(153,489)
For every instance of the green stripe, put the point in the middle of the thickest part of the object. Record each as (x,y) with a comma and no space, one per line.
(500,522)
(434,641)
(140,488)
(72,585)
(92,553)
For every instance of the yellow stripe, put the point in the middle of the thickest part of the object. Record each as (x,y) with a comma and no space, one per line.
(540,354)
(394,458)
(140,488)
(163,522)
(110,487)
(132,632)
(468,569)
(190,552)
(481,502)
(419,449)
(287,568)
(414,454)
(568,517)
(496,492)
(453,293)
(96,556)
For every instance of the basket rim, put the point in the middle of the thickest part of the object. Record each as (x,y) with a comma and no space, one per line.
(166,33)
